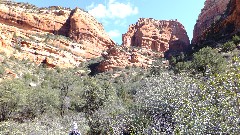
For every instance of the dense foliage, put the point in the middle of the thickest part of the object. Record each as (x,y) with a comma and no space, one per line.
(202,98)
(228,46)
(208,59)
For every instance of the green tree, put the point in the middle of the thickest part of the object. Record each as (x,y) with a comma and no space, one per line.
(182,66)
(65,82)
(11,97)
(213,108)
(40,101)
(228,46)
(236,39)
(2,71)
(62,83)
(96,95)
(208,60)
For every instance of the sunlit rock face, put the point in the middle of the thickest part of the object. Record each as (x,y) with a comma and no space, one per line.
(145,41)
(56,36)
(156,35)
(218,18)
(121,57)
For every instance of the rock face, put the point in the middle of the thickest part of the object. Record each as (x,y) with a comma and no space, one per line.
(231,23)
(56,36)
(144,41)
(85,27)
(218,18)
(157,35)
(121,57)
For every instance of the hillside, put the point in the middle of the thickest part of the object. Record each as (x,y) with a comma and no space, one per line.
(58,66)
(55,36)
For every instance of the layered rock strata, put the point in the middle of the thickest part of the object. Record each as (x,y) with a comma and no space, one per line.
(145,41)
(57,36)
(157,35)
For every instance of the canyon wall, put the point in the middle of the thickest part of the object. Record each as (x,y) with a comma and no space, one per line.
(157,35)
(55,35)
(218,19)
(145,41)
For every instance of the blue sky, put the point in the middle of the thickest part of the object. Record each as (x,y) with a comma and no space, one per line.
(117,15)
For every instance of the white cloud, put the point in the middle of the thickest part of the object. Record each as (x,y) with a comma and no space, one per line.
(112,9)
(114,33)
(99,11)
(121,10)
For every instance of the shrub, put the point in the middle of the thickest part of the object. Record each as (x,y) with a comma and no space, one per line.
(157,101)
(177,104)
(2,71)
(172,60)
(182,66)
(208,60)
(217,103)
(236,39)
(40,101)
(18,47)
(47,124)
(229,46)
(11,97)
(29,77)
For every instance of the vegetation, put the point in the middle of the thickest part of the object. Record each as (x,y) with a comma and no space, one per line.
(229,46)
(236,39)
(205,61)
(208,60)
(138,101)
(2,71)
(197,94)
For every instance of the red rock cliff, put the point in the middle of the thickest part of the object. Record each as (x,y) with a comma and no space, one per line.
(233,18)
(121,57)
(218,17)
(42,33)
(157,35)
(85,27)
(152,38)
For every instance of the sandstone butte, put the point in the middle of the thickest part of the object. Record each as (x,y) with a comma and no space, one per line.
(56,36)
(150,38)
(220,17)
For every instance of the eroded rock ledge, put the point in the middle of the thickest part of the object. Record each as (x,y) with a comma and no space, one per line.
(59,36)
(157,35)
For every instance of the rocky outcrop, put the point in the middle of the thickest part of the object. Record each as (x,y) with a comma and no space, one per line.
(231,23)
(121,57)
(85,27)
(55,36)
(145,41)
(218,19)
(157,35)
